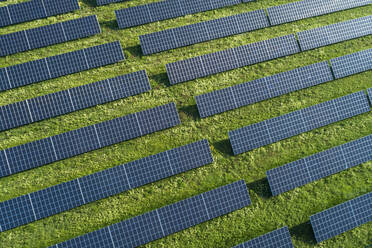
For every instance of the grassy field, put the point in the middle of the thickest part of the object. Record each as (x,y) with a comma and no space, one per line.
(266,212)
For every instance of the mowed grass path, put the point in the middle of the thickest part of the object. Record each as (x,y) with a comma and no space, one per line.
(266,212)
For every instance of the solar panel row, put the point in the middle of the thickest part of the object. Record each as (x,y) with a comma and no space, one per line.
(65,145)
(342,217)
(65,196)
(279,238)
(48,35)
(335,33)
(203,31)
(63,102)
(264,88)
(60,65)
(166,220)
(167,9)
(319,165)
(35,9)
(352,63)
(310,8)
(297,122)
(185,70)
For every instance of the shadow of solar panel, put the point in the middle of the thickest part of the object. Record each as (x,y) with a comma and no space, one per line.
(172,218)
(294,123)
(309,8)
(88,138)
(341,218)
(319,165)
(278,238)
(35,9)
(203,31)
(335,33)
(100,238)
(352,63)
(189,69)
(166,9)
(63,64)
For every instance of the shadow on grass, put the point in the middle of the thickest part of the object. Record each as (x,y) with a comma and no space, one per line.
(224,147)
(135,51)
(90,3)
(303,232)
(261,188)
(192,111)
(112,24)
(161,78)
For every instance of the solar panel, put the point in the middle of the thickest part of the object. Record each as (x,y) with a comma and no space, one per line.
(352,63)
(309,8)
(169,219)
(280,238)
(203,31)
(261,89)
(65,196)
(51,149)
(189,69)
(35,9)
(319,165)
(369,91)
(335,33)
(60,65)
(167,9)
(343,217)
(300,121)
(48,35)
(63,102)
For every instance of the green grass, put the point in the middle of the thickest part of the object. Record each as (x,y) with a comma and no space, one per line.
(266,212)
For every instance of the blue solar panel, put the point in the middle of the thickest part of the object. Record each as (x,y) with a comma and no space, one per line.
(310,8)
(352,63)
(264,88)
(280,238)
(294,123)
(343,217)
(60,65)
(169,219)
(338,32)
(319,165)
(35,9)
(48,35)
(189,69)
(100,238)
(369,91)
(105,183)
(166,9)
(88,138)
(62,102)
(203,31)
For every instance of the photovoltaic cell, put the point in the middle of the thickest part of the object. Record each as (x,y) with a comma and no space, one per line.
(341,218)
(189,69)
(280,238)
(352,63)
(48,35)
(167,9)
(62,102)
(338,32)
(319,165)
(203,31)
(60,65)
(369,91)
(44,151)
(310,8)
(300,121)
(65,196)
(35,9)
(261,89)
(169,219)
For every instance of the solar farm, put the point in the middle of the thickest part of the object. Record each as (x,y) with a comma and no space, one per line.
(186,123)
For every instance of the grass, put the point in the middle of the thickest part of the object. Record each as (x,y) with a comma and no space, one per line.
(266,213)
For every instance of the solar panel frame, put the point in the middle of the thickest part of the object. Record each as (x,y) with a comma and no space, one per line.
(102,184)
(63,102)
(277,238)
(278,128)
(45,151)
(159,223)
